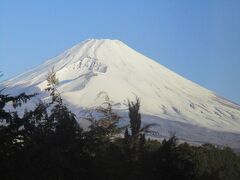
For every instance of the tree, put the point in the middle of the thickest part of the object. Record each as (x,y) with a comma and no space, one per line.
(135,117)
(11,133)
(52,145)
(137,135)
(126,134)
(104,127)
(52,83)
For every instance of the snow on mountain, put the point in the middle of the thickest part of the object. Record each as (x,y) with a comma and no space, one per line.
(178,105)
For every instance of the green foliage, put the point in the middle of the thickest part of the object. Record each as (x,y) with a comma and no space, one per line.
(216,163)
(15,100)
(48,143)
(52,83)
(135,117)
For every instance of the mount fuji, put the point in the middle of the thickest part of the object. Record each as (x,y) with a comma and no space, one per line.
(175,104)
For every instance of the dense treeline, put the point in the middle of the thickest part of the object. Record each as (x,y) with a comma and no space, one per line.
(48,143)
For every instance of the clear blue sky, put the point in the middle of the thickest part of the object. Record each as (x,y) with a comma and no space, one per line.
(199,39)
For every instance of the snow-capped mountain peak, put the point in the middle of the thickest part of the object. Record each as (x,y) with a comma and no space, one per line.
(110,66)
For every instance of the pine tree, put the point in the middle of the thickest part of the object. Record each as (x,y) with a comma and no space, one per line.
(11,134)
(135,117)
(126,134)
